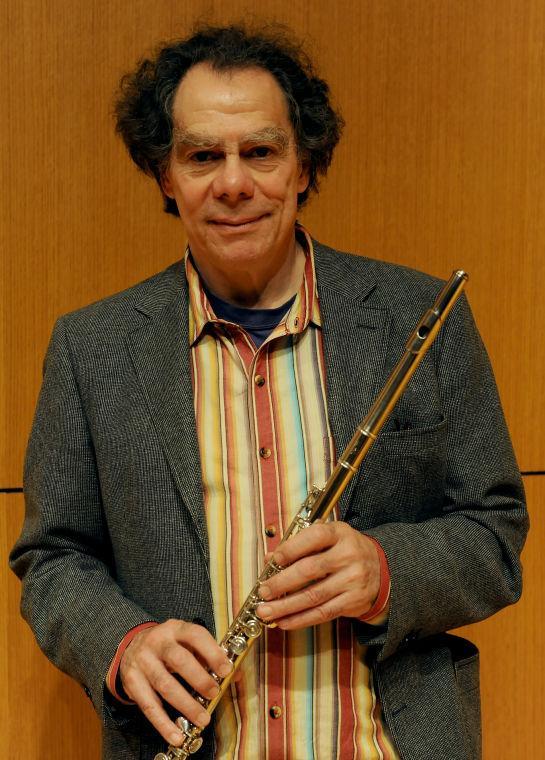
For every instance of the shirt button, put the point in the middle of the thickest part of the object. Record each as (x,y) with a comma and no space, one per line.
(270,531)
(275,711)
(264,453)
(259,380)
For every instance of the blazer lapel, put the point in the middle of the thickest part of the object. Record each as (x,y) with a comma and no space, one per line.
(160,353)
(355,333)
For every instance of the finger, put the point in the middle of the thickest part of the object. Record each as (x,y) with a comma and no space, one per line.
(297,576)
(199,640)
(313,539)
(307,598)
(147,700)
(358,596)
(179,660)
(315,616)
(176,695)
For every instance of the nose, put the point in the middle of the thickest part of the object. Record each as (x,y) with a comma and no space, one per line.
(233,181)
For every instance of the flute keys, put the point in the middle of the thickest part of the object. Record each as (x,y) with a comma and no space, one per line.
(252,628)
(191,743)
(238,644)
(195,745)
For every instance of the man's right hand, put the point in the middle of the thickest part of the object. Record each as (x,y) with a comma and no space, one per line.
(155,653)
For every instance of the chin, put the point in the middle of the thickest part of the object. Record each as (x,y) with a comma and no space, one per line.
(242,250)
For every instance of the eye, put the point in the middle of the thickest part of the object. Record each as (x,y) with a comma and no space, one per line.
(260,151)
(203,156)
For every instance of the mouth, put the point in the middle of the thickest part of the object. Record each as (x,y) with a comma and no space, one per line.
(237,225)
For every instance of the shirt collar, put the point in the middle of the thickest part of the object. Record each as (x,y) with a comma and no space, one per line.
(305,308)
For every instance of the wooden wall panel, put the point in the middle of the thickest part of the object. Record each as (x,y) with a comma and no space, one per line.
(44,713)
(512,644)
(441,166)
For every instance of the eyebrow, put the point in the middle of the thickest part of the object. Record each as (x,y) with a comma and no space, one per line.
(186,139)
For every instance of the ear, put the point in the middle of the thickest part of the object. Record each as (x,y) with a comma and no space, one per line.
(304,178)
(166,184)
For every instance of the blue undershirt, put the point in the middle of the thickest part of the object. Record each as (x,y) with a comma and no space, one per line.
(258,323)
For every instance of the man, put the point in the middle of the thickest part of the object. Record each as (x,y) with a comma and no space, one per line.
(182,423)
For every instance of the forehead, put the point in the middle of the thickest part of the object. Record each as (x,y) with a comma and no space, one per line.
(206,97)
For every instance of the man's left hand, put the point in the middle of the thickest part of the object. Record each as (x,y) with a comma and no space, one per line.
(330,570)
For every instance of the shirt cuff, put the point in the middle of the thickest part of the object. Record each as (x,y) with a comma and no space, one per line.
(112,683)
(378,608)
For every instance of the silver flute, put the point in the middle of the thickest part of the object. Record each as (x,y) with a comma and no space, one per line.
(247,626)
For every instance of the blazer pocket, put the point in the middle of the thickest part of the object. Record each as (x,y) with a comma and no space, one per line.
(412,441)
(403,478)
(467,673)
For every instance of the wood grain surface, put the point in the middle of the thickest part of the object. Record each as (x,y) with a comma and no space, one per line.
(44,714)
(442,166)
(512,644)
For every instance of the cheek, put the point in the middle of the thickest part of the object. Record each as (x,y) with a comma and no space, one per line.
(283,189)
(191,196)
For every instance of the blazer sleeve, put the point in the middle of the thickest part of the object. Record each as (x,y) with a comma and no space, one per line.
(69,595)
(462,564)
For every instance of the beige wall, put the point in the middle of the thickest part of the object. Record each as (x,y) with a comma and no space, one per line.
(441,166)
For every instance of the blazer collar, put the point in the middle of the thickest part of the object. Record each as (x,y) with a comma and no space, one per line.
(160,354)
(355,334)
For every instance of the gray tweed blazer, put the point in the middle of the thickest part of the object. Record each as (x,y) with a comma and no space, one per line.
(115,532)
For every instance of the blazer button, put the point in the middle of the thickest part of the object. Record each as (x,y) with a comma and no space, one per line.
(270,531)
(275,711)
(259,380)
(264,453)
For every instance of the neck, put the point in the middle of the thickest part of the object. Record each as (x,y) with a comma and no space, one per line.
(264,289)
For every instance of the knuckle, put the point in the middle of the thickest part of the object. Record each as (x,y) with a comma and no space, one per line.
(173,652)
(160,679)
(319,566)
(308,569)
(179,661)
(323,615)
(193,632)
(144,661)
(148,708)
(314,595)
(323,531)
(129,679)
(174,628)
(164,683)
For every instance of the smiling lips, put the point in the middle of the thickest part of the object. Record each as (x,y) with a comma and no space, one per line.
(237,224)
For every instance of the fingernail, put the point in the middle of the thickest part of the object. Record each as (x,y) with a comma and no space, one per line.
(225,669)
(176,738)
(213,692)
(264,611)
(264,592)
(203,719)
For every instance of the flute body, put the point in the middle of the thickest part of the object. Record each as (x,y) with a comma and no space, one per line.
(247,626)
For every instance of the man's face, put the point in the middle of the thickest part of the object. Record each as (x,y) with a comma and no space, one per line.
(234,171)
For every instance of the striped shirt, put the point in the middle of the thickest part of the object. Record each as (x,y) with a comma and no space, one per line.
(265,440)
